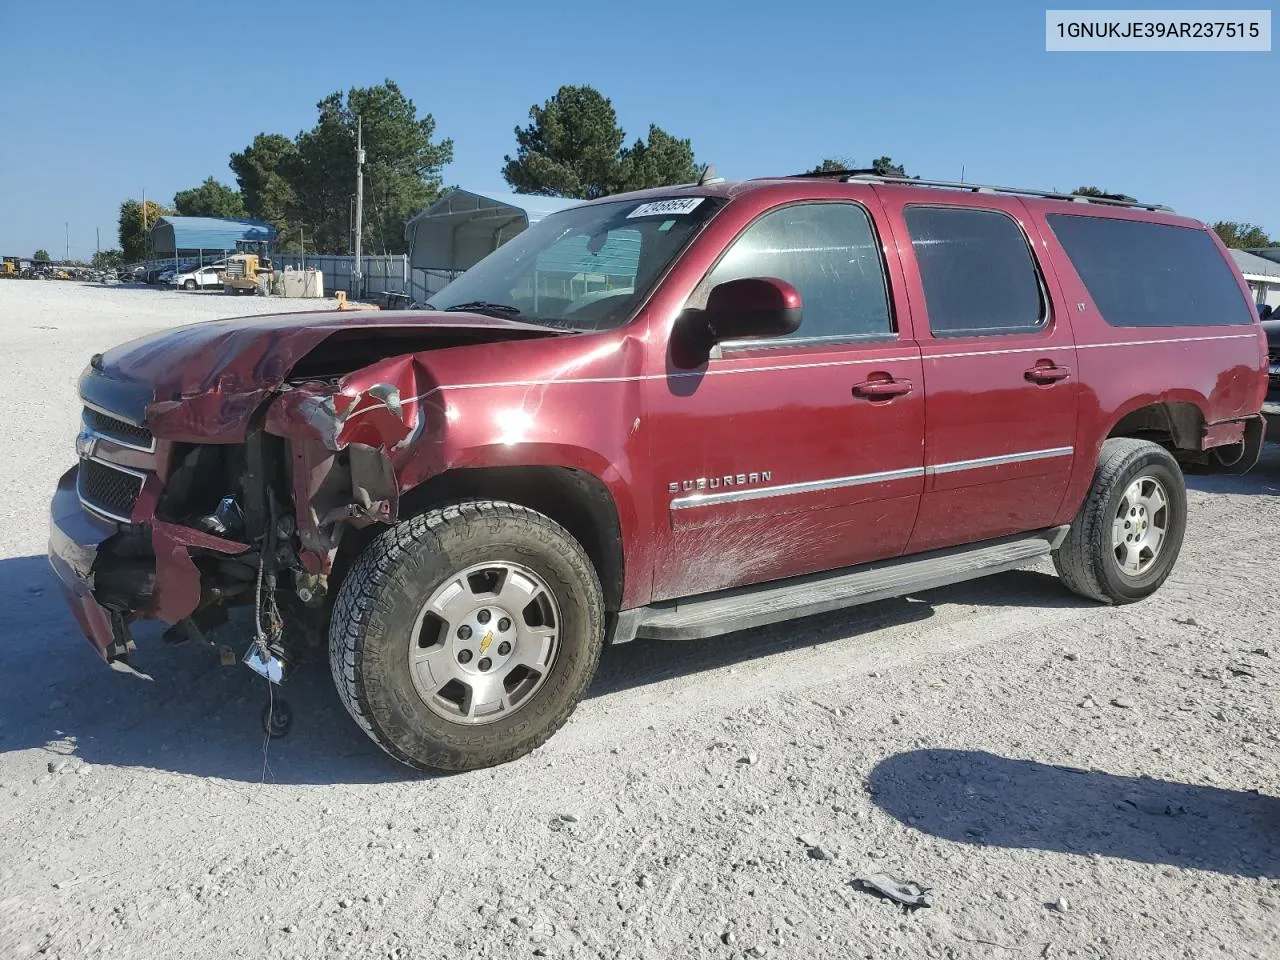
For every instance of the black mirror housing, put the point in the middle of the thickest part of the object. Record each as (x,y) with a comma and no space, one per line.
(750,308)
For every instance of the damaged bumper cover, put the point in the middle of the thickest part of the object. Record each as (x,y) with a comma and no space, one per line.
(107,587)
(74,538)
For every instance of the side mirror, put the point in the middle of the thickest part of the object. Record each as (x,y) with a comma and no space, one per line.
(753,307)
(1265,311)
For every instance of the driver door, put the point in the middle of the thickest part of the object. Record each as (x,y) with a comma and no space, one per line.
(776,460)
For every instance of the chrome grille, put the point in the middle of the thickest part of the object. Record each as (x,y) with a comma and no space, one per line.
(121,431)
(108,489)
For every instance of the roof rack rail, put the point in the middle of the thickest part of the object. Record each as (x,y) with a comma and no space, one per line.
(870,176)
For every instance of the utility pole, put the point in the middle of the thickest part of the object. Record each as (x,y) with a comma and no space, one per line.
(357,274)
(97,233)
(66,255)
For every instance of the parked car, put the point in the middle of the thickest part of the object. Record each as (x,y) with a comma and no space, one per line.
(671,414)
(200,278)
(1271,406)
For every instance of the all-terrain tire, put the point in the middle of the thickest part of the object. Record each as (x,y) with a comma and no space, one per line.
(1086,561)
(379,602)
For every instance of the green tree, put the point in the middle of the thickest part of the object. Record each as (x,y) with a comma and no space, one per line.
(262,172)
(108,259)
(881,166)
(660,161)
(833,165)
(1235,234)
(41,256)
(1099,192)
(401,176)
(885,167)
(210,199)
(132,230)
(574,148)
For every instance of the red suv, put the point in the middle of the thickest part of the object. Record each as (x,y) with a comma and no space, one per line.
(669,414)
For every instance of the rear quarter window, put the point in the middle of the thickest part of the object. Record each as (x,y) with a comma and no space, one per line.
(1152,274)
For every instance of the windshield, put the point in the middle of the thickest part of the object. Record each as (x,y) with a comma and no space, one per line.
(585,268)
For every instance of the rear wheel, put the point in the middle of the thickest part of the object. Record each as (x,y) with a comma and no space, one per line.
(464,637)
(1124,541)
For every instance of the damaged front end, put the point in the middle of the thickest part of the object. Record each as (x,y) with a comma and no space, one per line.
(233,476)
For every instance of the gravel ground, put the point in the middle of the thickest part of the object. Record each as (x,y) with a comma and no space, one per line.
(1071,780)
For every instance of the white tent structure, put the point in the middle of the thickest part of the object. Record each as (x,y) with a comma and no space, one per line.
(464,226)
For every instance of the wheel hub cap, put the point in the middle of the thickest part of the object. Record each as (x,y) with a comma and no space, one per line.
(484,642)
(1140,525)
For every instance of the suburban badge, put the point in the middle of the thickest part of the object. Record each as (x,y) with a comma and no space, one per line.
(715,483)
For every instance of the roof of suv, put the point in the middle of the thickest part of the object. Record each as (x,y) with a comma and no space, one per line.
(814,186)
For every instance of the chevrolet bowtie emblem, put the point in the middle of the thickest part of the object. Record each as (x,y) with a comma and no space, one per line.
(85,443)
(484,644)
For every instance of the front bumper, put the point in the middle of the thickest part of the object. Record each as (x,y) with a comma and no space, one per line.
(74,538)
(114,573)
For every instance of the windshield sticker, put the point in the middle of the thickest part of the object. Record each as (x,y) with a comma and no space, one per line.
(665,208)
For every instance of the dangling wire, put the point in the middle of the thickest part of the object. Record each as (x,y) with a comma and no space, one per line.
(260,640)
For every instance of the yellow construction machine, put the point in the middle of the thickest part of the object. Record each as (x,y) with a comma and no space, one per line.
(248,270)
(10,268)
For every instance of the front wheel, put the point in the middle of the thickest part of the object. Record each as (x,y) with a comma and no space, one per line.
(188,285)
(1128,533)
(465,637)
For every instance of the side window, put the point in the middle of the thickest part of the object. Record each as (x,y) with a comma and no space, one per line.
(977,271)
(828,252)
(1151,274)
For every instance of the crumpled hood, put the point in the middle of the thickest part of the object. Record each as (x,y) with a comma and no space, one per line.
(204,381)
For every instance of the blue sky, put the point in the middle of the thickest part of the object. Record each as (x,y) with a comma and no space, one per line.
(103,100)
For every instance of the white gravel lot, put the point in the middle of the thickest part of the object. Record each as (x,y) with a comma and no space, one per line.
(1071,780)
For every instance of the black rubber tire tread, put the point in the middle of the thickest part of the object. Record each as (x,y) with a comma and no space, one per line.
(1084,561)
(371,681)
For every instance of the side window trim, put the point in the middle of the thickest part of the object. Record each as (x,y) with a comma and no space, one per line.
(701,290)
(1043,325)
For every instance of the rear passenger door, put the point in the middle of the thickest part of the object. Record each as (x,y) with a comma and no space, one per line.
(1000,374)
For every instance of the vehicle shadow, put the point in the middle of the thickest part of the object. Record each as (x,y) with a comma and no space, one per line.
(198,717)
(980,798)
(1263,479)
(195,716)
(643,662)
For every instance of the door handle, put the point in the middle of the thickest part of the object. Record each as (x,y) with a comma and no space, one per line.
(1048,373)
(881,389)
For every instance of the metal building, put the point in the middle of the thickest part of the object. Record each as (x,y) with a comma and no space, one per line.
(1262,274)
(464,226)
(205,237)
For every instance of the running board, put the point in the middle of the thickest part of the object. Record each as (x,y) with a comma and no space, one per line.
(712,614)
